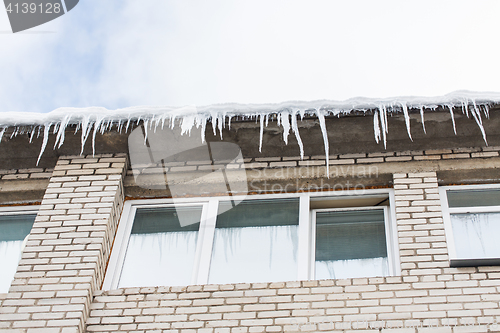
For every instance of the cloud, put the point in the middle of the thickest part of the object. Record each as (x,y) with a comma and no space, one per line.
(122,53)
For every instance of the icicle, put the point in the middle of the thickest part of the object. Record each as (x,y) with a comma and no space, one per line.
(172,121)
(322,125)
(203,129)
(145,126)
(302,112)
(383,123)
(285,122)
(422,118)
(477,117)
(487,111)
(157,123)
(477,111)
(261,132)
(128,123)
(221,125)
(465,106)
(1,133)
(187,124)
(61,133)
(452,119)
(295,130)
(214,125)
(86,128)
(31,135)
(376,126)
(45,140)
(97,125)
(407,119)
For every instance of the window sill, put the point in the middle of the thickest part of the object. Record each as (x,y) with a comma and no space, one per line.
(474,262)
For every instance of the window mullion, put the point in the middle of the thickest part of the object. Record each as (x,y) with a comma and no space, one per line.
(303,255)
(312,246)
(450,241)
(388,241)
(207,231)
(121,241)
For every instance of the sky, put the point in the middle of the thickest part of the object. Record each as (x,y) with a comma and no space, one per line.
(121,53)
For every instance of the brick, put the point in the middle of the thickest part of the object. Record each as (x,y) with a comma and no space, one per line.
(398,159)
(370,160)
(352,156)
(312,163)
(282,164)
(485,154)
(427,157)
(341,161)
(254,165)
(456,156)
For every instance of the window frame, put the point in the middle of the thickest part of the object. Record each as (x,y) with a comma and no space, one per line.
(455,261)
(207,229)
(19,210)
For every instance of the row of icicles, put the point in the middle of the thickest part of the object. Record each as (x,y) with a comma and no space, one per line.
(90,125)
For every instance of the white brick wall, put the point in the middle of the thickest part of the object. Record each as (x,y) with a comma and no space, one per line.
(67,250)
(58,280)
(428,294)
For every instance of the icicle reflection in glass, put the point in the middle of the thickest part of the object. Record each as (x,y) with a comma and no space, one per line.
(162,246)
(256,241)
(476,235)
(13,231)
(350,244)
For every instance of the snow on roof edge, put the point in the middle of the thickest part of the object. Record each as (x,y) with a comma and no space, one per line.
(98,119)
(76,115)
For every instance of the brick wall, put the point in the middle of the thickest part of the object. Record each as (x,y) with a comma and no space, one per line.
(56,288)
(428,294)
(344,159)
(66,253)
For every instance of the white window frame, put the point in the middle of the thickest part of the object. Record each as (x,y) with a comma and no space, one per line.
(455,261)
(305,255)
(19,210)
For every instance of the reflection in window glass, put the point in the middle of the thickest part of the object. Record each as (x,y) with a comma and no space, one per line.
(476,235)
(256,241)
(350,244)
(162,246)
(13,231)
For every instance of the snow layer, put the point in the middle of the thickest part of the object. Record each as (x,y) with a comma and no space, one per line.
(90,121)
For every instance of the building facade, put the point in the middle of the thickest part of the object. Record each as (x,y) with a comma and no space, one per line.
(401,238)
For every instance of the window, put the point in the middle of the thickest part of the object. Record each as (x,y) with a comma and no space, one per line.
(350,243)
(258,238)
(15,226)
(472,224)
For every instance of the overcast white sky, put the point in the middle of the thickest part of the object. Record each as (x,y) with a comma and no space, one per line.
(119,53)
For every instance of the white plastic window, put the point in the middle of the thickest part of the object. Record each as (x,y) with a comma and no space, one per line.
(472,224)
(15,226)
(263,238)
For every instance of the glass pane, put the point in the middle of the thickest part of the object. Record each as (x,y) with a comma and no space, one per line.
(351,244)
(473,198)
(476,235)
(256,241)
(13,231)
(162,246)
